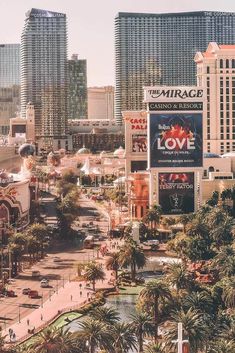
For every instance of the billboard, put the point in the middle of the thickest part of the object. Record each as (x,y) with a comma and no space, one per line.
(175,140)
(176,193)
(139,143)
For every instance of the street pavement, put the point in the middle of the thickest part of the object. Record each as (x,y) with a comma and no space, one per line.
(62,293)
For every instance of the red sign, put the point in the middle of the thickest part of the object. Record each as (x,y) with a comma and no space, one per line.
(138,124)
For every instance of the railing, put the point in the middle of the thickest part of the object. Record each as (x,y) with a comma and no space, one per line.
(49,322)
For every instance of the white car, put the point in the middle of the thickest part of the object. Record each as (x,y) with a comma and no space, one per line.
(44,283)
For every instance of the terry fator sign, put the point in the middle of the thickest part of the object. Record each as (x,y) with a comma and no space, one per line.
(175,127)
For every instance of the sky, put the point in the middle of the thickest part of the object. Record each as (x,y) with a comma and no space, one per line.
(91,25)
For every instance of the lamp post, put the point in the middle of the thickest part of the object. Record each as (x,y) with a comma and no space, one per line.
(19,314)
(180,342)
(42,300)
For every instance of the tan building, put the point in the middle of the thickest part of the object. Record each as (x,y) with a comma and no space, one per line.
(101,102)
(22,129)
(216,73)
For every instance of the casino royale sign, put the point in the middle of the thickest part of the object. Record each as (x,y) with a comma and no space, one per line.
(174,93)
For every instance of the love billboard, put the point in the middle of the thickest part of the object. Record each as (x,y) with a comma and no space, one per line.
(175,140)
(176,193)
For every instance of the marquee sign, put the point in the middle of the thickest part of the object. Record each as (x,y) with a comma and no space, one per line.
(173,94)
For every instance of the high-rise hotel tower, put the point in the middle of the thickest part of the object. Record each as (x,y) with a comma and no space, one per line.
(44,73)
(153,49)
(9,84)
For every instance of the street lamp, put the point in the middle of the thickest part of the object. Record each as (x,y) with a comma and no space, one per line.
(42,300)
(180,342)
(19,314)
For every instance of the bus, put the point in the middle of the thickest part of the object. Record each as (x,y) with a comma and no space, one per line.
(89,242)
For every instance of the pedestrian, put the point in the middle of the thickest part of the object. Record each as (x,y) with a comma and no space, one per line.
(14,336)
(28,322)
(87,294)
(80,293)
(71,297)
(41,317)
(80,286)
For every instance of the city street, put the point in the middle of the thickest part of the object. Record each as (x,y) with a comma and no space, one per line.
(58,267)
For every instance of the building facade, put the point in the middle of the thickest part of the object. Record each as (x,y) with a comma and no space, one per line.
(152,49)
(9,84)
(216,73)
(44,74)
(101,102)
(77,88)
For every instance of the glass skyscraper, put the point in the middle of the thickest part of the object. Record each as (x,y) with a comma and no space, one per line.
(9,84)
(77,88)
(44,72)
(152,49)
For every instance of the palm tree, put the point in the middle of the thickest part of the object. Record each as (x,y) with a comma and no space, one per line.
(113,263)
(222,346)
(184,219)
(228,294)
(124,337)
(17,244)
(213,201)
(95,334)
(40,232)
(229,194)
(93,272)
(154,348)
(224,262)
(142,325)
(199,301)
(53,341)
(195,329)
(153,216)
(154,291)
(178,276)
(131,255)
(104,314)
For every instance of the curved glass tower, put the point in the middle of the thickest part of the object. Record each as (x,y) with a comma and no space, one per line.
(44,71)
(153,49)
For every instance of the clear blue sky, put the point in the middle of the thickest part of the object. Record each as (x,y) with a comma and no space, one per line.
(91,25)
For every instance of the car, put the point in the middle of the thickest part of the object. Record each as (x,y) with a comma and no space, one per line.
(44,283)
(36,274)
(33,294)
(10,293)
(26,291)
(11,280)
(57,259)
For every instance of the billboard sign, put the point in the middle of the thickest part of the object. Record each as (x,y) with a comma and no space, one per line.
(173,94)
(139,143)
(176,193)
(175,140)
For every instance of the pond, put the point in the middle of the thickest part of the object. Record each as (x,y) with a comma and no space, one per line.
(124,304)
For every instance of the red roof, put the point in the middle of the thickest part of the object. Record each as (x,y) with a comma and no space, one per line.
(227,46)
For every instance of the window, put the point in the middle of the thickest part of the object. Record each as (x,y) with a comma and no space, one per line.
(227,64)
(208,69)
(221,64)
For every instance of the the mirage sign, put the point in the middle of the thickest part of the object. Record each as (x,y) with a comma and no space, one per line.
(175,140)
(173,94)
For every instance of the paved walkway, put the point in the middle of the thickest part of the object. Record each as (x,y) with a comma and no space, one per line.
(71,296)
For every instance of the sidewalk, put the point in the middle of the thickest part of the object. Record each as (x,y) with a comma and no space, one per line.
(69,297)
